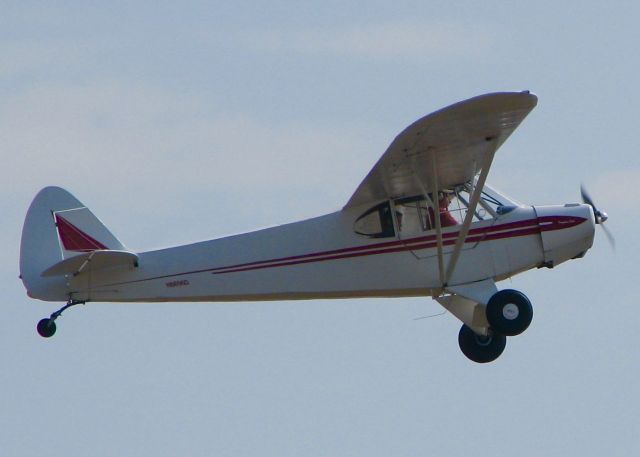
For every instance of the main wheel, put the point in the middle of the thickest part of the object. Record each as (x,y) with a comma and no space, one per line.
(479,348)
(46,327)
(509,312)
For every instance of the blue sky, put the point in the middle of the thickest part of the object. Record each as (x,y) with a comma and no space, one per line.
(182,122)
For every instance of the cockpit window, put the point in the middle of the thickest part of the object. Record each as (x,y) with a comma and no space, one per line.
(496,202)
(415,214)
(377,222)
(483,210)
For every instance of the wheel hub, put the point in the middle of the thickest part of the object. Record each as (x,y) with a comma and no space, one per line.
(510,311)
(483,340)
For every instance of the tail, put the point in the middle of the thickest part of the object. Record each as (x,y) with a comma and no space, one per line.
(58,236)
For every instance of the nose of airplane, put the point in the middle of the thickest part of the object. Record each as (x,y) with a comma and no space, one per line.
(567,231)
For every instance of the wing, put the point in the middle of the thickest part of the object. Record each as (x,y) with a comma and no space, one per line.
(460,136)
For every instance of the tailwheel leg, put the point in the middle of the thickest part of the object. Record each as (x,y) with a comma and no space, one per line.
(47,327)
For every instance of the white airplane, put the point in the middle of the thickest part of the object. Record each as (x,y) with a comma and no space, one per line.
(422,223)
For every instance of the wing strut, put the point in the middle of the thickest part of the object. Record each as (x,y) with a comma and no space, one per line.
(473,203)
(436,214)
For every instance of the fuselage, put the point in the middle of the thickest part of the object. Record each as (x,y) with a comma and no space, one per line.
(324,257)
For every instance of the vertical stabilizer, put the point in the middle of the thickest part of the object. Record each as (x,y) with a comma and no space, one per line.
(58,227)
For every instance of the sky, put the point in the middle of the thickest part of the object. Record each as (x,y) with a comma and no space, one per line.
(177,122)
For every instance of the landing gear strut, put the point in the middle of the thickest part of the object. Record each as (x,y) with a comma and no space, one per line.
(47,326)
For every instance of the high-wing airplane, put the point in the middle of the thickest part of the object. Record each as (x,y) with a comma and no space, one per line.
(424,222)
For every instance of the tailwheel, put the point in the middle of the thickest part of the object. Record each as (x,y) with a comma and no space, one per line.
(509,312)
(480,348)
(46,327)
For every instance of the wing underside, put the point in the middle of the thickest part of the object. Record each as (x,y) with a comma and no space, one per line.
(448,147)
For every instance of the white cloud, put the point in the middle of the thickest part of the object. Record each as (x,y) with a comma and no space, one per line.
(390,40)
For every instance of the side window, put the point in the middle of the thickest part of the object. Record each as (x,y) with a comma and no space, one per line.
(459,204)
(413,215)
(376,222)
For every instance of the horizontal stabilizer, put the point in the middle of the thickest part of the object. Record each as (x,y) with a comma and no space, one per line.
(95,260)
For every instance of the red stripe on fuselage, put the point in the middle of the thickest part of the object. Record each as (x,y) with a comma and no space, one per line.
(510,230)
(494,232)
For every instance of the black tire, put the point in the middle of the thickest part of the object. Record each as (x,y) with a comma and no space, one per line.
(481,349)
(509,312)
(46,327)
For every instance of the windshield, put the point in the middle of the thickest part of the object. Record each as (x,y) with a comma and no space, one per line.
(500,196)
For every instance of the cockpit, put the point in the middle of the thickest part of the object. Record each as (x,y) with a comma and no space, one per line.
(415,215)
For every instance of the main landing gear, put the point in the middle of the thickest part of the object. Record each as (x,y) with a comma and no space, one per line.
(47,326)
(509,313)
(479,348)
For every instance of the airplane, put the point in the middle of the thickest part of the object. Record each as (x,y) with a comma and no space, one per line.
(423,222)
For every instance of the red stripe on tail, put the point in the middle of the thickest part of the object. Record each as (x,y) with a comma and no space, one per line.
(74,239)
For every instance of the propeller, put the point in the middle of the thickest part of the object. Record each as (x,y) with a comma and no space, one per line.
(600,216)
